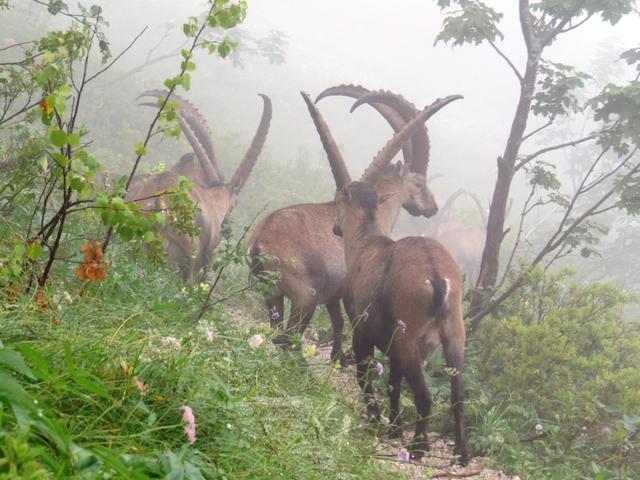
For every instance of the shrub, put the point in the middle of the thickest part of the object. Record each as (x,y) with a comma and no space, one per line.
(560,356)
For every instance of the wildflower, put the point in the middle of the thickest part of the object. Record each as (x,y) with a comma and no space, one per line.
(605,431)
(93,268)
(189,420)
(140,385)
(256,341)
(149,331)
(309,352)
(275,316)
(403,326)
(209,334)
(67,297)
(379,368)
(538,429)
(404,456)
(172,342)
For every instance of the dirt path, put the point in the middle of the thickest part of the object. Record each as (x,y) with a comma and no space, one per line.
(438,463)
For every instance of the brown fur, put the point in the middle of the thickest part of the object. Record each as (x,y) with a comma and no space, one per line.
(310,258)
(214,197)
(307,256)
(405,298)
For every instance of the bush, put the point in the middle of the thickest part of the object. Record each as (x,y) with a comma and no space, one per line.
(556,377)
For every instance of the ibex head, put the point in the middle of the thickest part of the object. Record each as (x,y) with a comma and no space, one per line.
(398,112)
(361,200)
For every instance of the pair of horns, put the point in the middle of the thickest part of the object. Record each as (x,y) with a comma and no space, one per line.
(196,131)
(384,156)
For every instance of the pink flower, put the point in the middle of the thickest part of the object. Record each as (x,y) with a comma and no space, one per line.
(379,368)
(209,334)
(275,316)
(141,386)
(189,420)
(403,326)
(404,456)
(256,341)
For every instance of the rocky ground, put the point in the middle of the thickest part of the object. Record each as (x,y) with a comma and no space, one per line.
(438,463)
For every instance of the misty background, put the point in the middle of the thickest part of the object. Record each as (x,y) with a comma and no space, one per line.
(288,46)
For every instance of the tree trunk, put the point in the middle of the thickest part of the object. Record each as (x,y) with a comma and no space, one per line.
(506,168)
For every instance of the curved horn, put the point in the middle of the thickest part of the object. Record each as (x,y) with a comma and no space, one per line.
(481,210)
(420,140)
(197,147)
(196,121)
(394,145)
(338,167)
(394,118)
(248,162)
(445,211)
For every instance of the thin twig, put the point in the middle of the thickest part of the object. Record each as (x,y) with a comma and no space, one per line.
(117,57)
(506,59)
(573,143)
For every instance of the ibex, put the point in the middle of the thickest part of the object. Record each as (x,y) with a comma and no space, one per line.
(464,242)
(299,240)
(215,196)
(403,297)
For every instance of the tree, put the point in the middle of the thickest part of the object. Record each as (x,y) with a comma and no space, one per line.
(547,91)
(42,91)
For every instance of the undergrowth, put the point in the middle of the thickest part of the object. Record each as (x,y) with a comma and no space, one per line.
(95,388)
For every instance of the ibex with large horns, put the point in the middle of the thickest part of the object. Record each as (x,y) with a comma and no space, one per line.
(299,239)
(215,196)
(403,297)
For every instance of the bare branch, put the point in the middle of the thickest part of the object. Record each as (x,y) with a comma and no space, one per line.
(525,211)
(506,59)
(573,143)
(602,178)
(15,45)
(537,130)
(573,27)
(117,57)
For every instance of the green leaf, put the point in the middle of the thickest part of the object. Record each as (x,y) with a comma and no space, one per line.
(58,137)
(473,22)
(73,140)
(141,150)
(34,251)
(14,361)
(60,159)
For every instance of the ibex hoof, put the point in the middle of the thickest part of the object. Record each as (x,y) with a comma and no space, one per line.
(282,341)
(418,447)
(463,454)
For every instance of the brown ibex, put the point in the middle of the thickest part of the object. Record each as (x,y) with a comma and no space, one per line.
(215,196)
(403,297)
(299,240)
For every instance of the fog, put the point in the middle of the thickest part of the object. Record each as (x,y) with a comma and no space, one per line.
(380,45)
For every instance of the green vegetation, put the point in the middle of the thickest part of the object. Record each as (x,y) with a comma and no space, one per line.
(559,356)
(95,376)
(94,388)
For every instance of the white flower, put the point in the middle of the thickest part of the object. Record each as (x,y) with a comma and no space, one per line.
(67,297)
(172,342)
(539,429)
(256,341)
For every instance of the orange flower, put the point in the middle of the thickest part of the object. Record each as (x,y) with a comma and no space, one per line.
(44,106)
(41,301)
(93,268)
